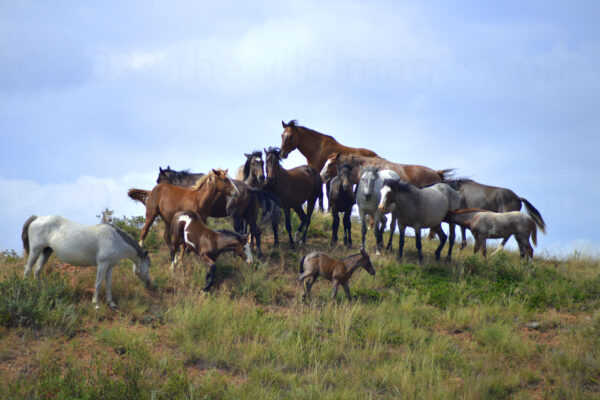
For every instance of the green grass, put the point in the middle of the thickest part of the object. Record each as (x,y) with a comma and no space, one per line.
(473,329)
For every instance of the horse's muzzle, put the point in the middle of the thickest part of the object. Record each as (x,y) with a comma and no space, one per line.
(381,209)
(284,154)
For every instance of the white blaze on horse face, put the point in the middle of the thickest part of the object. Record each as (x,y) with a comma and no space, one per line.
(324,170)
(187,221)
(385,193)
(249,259)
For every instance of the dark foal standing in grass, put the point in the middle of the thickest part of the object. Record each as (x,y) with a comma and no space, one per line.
(342,199)
(293,187)
(317,264)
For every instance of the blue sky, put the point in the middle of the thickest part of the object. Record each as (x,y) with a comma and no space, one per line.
(93,99)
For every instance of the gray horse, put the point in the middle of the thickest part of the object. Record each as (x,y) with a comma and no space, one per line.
(367,198)
(420,208)
(492,198)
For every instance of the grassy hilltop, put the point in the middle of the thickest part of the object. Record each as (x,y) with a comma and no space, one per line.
(471,329)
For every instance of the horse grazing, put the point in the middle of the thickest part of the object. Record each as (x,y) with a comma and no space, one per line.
(102,245)
(315,146)
(293,187)
(492,198)
(165,199)
(317,264)
(189,231)
(420,208)
(342,199)
(417,175)
(367,198)
(179,178)
(252,172)
(489,224)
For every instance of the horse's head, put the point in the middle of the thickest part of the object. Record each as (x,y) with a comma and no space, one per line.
(330,168)
(254,168)
(242,249)
(164,175)
(222,182)
(290,138)
(141,269)
(367,181)
(273,156)
(344,173)
(387,194)
(365,262)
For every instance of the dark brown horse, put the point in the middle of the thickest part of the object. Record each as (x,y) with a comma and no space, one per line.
(315,146)
(179,178)
(293,187)
(252,172)
(188,231)
(339,272)
(492,198)
(417,175)
(165,199)
(341,197)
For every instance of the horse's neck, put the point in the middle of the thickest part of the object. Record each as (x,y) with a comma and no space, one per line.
(352,266)
(205,198)
(464,218)
(311,143)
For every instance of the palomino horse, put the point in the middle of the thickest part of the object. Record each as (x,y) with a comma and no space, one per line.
(252,172)
(492,198)
(341,197)
(488,224)
(102,245)
(188,231)
(315,146)
(293,187)
(165,199)
(179,178)
(367,198)
(420,208)
(317,264)
(417,175)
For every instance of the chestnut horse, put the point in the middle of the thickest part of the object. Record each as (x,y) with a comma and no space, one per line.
(417,175)
(293,187)
(315,146)
(188,231)
(165,199)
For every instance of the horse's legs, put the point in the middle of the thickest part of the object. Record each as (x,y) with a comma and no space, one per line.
(501,245)
(348,228)
(310,206)
(100,276)
(452,230)
(334,227)
(288,226)
(34,254)
(380,221)
(150,217)
(41,261)
(303,222)
(363,230)
(440,232)
(108,281)
(484,247)
(334,289)
(390,246)
(418,243)
(210,274)
(401,229)
(347,290)
(463,231)
(255,233)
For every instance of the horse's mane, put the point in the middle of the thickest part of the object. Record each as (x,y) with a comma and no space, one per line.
(276,151)
(397,184)
(255,153)
(370,168)
(456,183)
(201,181)
(129,240)
(469,210)
(346,165)
(294,124)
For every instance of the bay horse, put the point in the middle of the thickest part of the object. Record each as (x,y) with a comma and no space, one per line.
(315,146)
(179,178)
(495,225)
(492,198)
(252,172)
(341,197)
(420,208)
(417,175)
(102,245)
(189,231)
(293,187)
(338,271)
(165,199)
(367,199)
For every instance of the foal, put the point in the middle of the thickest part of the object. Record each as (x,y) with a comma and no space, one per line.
(188,231)
(342,199)
(338,271)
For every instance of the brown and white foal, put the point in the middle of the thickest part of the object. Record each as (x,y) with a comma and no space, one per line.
(338,271)
(188,231)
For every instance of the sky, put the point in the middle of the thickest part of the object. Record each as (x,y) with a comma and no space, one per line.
(94,97)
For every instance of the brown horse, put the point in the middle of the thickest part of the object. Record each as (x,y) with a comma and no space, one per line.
(418,175)
(180,178)
(165,199)
(293,187)
(338,271)
(188,231)
(495,225)
(252,172)
(315,146)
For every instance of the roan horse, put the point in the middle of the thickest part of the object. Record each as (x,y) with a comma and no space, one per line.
(165,199)
(179,178)
(252,173)
(492,198)
(488,224)
(317,264)
(293,187)
(102,245)
(341,197)
(420,208)
(315,146)
(188,231)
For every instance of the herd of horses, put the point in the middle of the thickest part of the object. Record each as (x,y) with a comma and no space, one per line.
(411,195)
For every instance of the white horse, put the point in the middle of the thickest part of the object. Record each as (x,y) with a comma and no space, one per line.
(367,198)
(82,245)
(420,208)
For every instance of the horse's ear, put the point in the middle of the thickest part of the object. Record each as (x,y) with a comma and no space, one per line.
(160,169)
(248,155)
(266,152)
(284,124)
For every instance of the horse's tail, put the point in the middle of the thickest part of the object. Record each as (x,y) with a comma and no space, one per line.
(270,205)
(445,174)
(139,195)
(534,214)
(25,233)
(302,264)
(534,235)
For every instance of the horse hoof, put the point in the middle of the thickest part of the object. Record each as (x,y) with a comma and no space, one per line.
(113,307)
